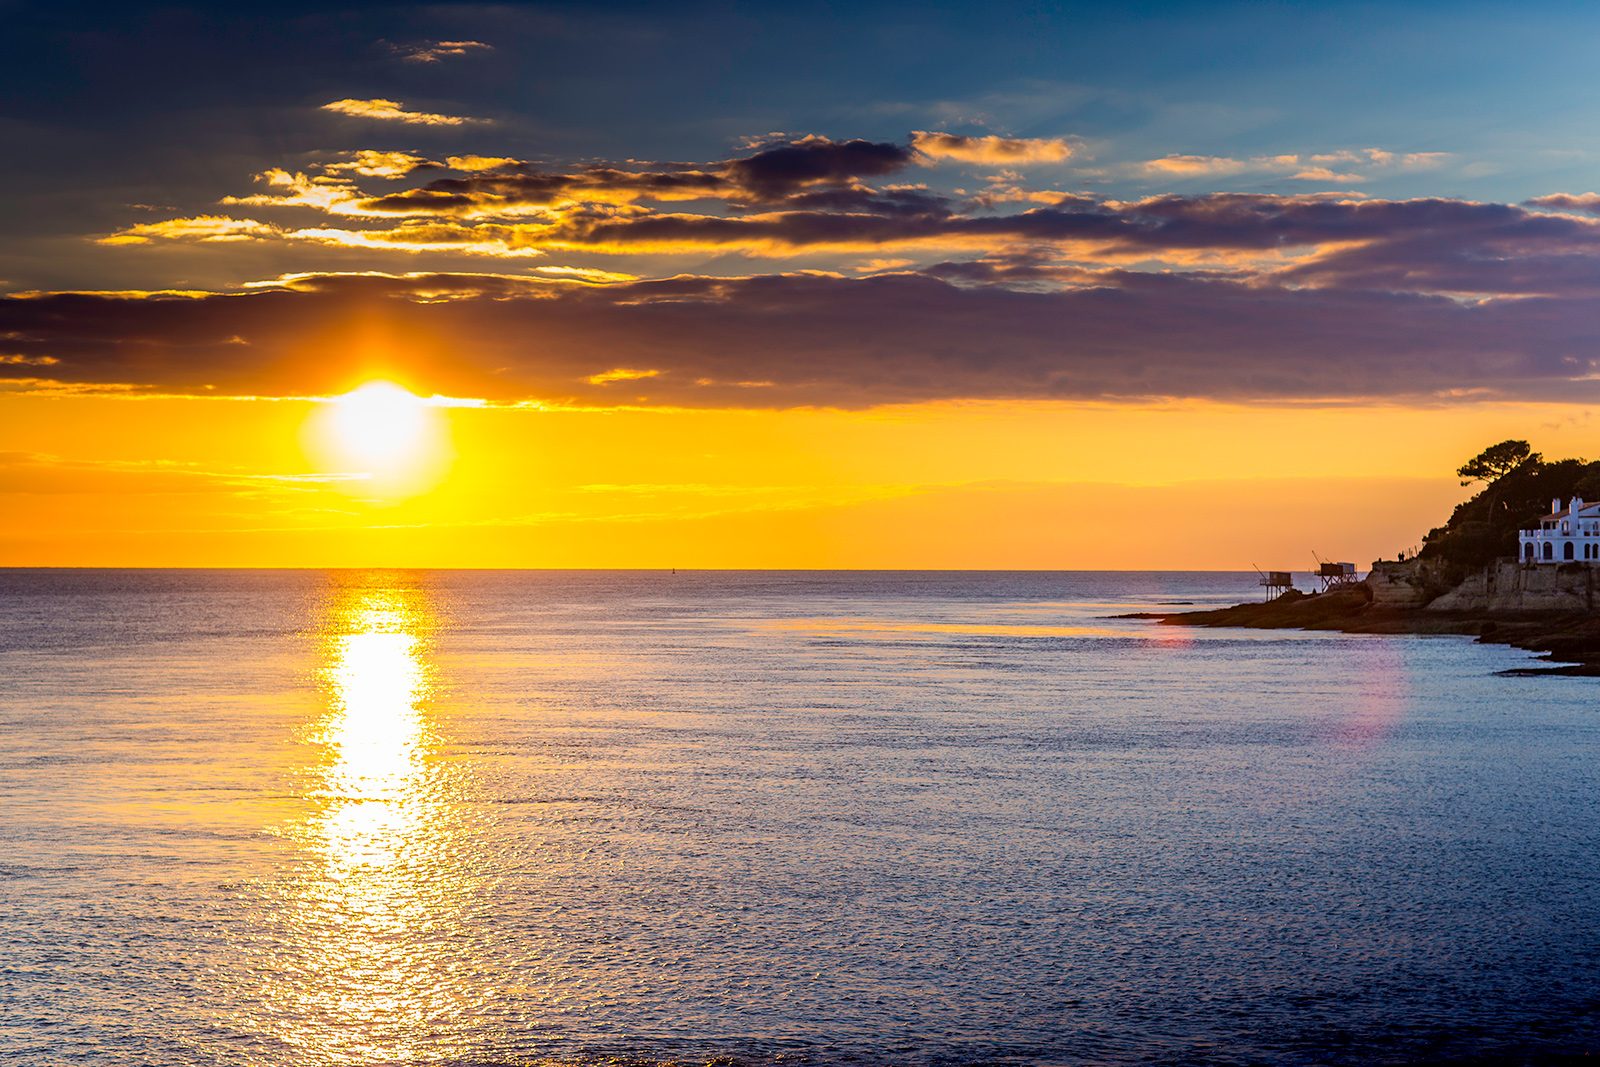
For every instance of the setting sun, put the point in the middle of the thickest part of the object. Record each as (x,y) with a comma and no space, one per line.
(380,424)
(379,442)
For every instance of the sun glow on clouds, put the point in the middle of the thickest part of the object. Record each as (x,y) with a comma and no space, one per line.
(393,111)
(1012,151)
(206,228)
(621,374)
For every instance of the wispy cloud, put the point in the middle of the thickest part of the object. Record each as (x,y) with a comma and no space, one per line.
(208,228)
(434,51)
(621,374)
(369,163)
(44,474)
(999,151)
(1188,166)
(1355,165)
(329,194)
(394,111)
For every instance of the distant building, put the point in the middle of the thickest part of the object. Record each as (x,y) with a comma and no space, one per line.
(1566,535)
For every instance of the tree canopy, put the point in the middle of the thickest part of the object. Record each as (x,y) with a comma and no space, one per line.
(1519,484)
(1496,461)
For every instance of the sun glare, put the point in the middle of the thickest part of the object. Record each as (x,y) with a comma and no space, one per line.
(380,424)
(382,441)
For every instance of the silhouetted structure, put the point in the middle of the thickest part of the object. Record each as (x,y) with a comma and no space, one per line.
(1334,575)
(1276,583)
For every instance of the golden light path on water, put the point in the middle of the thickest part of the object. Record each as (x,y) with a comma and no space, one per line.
(373,928)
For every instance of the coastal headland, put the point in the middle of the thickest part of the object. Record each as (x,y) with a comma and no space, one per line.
(1549,610)
(1497,570)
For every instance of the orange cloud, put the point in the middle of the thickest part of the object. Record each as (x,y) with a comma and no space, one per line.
(1194,166)
(334,196)
(1323,174)
(591,275)
(479,163)
(208,228)
(394,111)
(415,236)
(374,164)
(1001,151)
(620,374)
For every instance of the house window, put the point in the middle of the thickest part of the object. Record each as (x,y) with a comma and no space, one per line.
(1549,550)
(1527,550)
(1566,550)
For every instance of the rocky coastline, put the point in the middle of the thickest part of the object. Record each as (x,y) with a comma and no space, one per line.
(1548,610)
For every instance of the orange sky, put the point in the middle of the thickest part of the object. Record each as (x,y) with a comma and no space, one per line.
(97,480)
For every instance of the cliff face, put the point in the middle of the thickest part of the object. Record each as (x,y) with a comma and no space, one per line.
(1412,584)
(1508,586)
(1504,586)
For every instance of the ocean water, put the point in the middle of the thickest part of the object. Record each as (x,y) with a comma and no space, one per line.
(475,818)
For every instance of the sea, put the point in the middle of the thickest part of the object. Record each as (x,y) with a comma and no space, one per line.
(486,818)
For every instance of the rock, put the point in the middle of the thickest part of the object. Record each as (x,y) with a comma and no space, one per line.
(1410,584)
(1507,586)
(1550,610)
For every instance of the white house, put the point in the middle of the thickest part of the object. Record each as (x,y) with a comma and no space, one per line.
(1564,535)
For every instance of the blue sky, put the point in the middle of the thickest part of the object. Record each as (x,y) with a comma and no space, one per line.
(169,98)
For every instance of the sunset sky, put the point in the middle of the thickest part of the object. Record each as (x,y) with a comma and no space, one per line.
(853,285)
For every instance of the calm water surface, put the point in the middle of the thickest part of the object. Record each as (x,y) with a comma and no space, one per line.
(820,818)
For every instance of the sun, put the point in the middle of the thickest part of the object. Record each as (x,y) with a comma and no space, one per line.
(380,442)
(380,425)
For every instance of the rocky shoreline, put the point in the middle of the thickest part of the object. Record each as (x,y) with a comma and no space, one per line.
(1544,610)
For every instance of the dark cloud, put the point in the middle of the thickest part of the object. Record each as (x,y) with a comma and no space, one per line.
(808,167)
(818,340)
(1222,224)
(1424,245)
(1505,252)
(778,170)
(859,199)
(508,191)
(434,51)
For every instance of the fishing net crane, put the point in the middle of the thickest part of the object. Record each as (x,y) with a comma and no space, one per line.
(1334,575)
(1276,583)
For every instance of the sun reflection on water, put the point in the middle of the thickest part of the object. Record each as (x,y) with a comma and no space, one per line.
(375,735)
(374,919)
